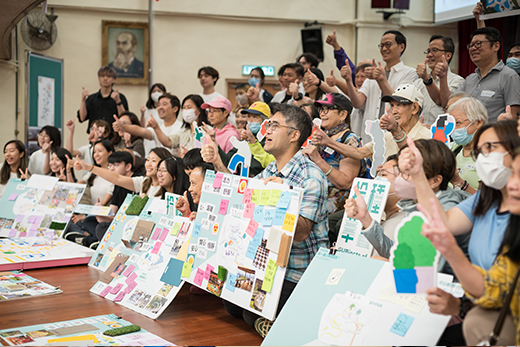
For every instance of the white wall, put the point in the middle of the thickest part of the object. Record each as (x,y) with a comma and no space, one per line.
(223,34)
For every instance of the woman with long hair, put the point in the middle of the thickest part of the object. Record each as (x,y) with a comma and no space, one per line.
(15,163)
(49,138)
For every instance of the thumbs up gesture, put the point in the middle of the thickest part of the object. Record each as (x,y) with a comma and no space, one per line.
(117,125)
(357,209)
(387,121)
(506,115)
(84,93)
(253,93)
(331,80)
(346,71)
(369,71)
(441,69)
(410,159)
(379,72)
(422,71)
(115,95)
(209,151)
(182,205)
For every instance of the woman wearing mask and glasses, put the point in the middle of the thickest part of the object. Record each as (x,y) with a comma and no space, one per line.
(192,116)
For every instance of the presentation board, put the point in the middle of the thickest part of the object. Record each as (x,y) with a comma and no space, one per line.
(241,241)
(142,258)
(359,294)
(39,206)
(86,331)
(17,285)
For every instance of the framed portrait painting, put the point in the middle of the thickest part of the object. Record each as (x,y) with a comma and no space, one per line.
(125,48)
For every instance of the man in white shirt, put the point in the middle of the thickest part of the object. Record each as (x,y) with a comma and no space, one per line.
(429,84)
(292,74)
(208,78)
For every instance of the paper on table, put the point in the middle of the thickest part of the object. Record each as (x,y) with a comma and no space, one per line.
(42,182)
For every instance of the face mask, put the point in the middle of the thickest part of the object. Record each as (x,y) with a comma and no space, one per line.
(513,63)
(253,81)
(461,136)
(189,116)
(155,96)
(254,127)
(491,170)
(404,189)
(242,99)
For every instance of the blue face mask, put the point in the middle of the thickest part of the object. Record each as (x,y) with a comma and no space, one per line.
(513,63)
(253,81)
(254,127)
(461,136)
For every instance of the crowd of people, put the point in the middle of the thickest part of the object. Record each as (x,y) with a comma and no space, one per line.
(315,138)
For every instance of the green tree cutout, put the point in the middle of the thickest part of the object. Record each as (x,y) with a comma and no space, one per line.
(413,248)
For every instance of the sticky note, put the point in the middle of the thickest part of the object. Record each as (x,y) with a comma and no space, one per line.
(217,183)
(288,223)
(30,220)
(12,232)
(186,270)
(156,233)
(275,196)
(249,210)
(268,216)
(279,216)
(270,271)
(251,250)
(222,273)
(248,194)
(31,233)
(223,206)
(259,214)
(130,286)
(255,197)
(23,234)
(116,288)
(19,218)
(274,239)
(13,197)
(197,229)
(172,273)
(230,283)
(156,247)
(207,273)
(163,235)
(128,270)
(120,296)
(401,324)
(131,278)
(285,200)
(176,228)
(265,196)
(251,228)
(199,276)
(259,235)
(105,291)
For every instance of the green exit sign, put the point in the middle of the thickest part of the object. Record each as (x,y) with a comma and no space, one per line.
(268,70)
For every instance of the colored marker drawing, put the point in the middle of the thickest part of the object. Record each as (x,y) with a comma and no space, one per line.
(233,241)
(413,257)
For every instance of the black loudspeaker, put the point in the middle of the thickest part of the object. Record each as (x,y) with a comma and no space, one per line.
(312,42)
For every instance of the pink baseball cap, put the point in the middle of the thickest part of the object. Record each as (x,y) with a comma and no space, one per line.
(218,102)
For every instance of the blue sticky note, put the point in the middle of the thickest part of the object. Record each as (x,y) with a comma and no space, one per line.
(285,200)
(251,250)
(401,324)
(172,273)
(196,229)
(230,283)
(210,176)
(258,216)
(259,235)
(279,216)
(268,216)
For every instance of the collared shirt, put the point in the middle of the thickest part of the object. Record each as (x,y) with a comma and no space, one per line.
(301,172)
(99,107)
(282,95)
(399,74)
(499,88)
(430,109)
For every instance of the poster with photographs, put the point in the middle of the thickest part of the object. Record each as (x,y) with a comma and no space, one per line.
(40,206)
(142,257)
(17,285)
(241,240)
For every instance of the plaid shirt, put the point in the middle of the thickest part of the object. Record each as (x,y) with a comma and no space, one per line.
(301,172)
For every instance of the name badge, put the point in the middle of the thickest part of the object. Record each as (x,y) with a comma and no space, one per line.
(470,167)
(328,150)
(487,93)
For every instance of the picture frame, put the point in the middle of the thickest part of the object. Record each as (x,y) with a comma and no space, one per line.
(125,47)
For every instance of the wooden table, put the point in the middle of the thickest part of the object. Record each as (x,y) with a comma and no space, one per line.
(192,320)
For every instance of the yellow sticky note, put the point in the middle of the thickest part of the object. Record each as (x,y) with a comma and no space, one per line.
(288,223)
(186,270)
(176,228)
(90,337)
(275,196)
(270,271)
(255,198)
(264,198)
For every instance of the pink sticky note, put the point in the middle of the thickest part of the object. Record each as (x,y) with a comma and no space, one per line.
(19,275)
(130,287)
(12,233)
(19,218)
(105,291)
(248,194)
(209,268)
(223,206)
(199,276)
(156,233)
(22,235)
(120,296)
(13,197)
(164,234)
(131,278)
(128,270)
(251,228)
(156,247)
(249,210)
(117,288)
(217,183)
(34,227)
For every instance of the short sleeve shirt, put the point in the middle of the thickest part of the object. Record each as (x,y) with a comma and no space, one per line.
(99,107)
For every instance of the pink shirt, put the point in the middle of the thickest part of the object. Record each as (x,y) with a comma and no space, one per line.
(223,135)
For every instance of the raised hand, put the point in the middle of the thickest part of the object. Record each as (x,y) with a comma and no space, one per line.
(183,206)
(115,95)
(182,151)
(441,69)
(143,110)
(209,151)
(422,71)
(410,160)
(319,137)
(246,134)
(369,70)
(253,93)
(357,208)
(80,164)
(506,115)
(435,230)
(62,177)
(209,130)
(346,71)
(84,93)
(331,80)
(333,41)
(70,162)
(128,139)
(310,79)
(70,125)
(293,89)
(478,10)
(117,125)
(387,121)
(311,152)
(46,146)
(379,72)
(152,123)
(24,175)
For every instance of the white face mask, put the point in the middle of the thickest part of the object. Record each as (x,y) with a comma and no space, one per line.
(189,116)
(491,170)
(155,96)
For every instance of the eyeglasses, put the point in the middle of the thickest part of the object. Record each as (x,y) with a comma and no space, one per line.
(434,51)
(387,45)
(383,172)
(485,149)
(114,165)
(476,44)
(215,110)
(162,170)
(275,125)
(325,109)
(457,123)
(42,136)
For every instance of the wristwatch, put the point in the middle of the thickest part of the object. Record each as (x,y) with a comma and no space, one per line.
(428,82)
(119,103)
(299,97)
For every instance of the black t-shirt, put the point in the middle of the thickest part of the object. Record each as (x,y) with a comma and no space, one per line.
(119,195)
(99,107)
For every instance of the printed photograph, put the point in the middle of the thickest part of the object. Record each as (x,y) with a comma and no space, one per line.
(258,297)
(245,278)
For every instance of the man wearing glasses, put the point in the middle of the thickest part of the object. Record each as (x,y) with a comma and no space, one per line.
(493,83)
(440,51)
